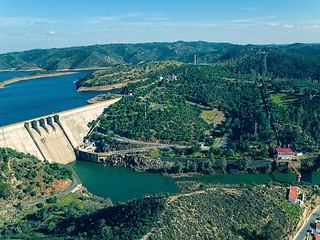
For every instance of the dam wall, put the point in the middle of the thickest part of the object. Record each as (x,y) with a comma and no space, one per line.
(53,137)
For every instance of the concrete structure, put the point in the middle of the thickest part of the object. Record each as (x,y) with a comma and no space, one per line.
(53,137)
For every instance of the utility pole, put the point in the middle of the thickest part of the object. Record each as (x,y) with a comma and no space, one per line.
(195,59)
(255,129)
(145,109)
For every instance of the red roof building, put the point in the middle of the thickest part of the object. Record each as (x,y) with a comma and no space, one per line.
(317,227)
(295,196)
(293,193)
(284,153)
(284,150)
(317,237)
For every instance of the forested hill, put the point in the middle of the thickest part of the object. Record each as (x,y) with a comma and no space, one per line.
(109,55)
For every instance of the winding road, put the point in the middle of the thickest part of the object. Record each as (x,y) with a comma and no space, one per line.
(75,182)
(303,231)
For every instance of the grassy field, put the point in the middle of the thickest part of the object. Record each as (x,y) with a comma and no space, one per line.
(283,99)
(214,117)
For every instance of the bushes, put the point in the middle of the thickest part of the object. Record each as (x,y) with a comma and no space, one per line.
(52,200)
(224,213)
(5,190)
(40,205)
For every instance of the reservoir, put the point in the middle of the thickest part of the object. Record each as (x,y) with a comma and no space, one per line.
(34,98)
(38,97)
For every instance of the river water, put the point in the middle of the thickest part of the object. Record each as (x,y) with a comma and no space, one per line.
(37,97)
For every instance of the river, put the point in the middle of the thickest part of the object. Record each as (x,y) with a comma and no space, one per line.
(122,184)
(37,97)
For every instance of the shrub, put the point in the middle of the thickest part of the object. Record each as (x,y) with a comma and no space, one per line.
(40,205)
(52,200)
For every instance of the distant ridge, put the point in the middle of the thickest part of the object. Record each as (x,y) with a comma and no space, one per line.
(98,56)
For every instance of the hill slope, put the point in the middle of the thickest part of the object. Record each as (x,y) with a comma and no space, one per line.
(98,56)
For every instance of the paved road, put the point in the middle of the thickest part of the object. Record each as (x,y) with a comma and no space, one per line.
(75,183)
(302,233)
(124,139)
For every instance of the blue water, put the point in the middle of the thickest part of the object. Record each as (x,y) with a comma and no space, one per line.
(33,98)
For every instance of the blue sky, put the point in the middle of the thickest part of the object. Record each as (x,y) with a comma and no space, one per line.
(30,24)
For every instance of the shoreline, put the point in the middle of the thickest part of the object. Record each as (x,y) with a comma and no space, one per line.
(58,70)
(104,88)
(23,78)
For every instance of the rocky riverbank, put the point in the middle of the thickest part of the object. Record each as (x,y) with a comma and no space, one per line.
(103,97)
(135,162)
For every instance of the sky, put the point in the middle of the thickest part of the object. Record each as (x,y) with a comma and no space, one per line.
(34,24)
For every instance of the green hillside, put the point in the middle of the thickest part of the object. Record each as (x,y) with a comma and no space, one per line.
(25,178)
(108,55)
(98,56)
(219,212)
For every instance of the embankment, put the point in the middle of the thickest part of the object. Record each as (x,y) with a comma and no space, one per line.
(106,87)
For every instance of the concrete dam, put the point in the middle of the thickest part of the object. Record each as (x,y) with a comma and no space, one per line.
(53,137)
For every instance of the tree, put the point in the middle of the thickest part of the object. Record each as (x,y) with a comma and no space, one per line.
(223,165)
(268,169)
(177,167)
(5,190)
(272,230)
(243,163)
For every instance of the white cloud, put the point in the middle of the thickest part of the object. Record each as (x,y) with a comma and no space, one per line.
(25,21)
(273,24)
(126,25)
(100,20)
(313,27)
(52,33)
(288,26)
(253,19)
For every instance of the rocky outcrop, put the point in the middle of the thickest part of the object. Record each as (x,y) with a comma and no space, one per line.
(134,161)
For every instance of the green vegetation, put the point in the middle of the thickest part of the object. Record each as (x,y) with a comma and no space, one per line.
(214,116)
(185,96)
(124,73)
(133,118)
(86,217)
(218,212)
(248,98)
(24,178)
(226,213)
(283,61)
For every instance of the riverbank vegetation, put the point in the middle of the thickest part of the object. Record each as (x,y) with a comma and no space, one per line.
(218,212)
(25,178)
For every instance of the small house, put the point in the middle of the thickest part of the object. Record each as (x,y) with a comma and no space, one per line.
(296,196)
(284,153)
